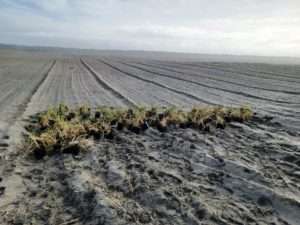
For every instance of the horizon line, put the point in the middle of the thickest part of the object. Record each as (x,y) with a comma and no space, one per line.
(11,45)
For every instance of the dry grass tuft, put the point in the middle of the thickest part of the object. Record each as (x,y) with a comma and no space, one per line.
(64,130)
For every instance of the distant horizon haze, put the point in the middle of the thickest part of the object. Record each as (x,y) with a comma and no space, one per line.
(229,27)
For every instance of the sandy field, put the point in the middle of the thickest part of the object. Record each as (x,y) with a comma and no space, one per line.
(247,173)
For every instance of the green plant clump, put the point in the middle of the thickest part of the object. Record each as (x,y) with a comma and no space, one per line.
(65,130)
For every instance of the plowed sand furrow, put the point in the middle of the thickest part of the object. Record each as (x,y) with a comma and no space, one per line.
(243,173)
(159,84)
(244,73)
(256,68)
(223,99)
(70,83)
(107,86)
(123,100)
(257,81)
(195,75)
(14,105)
(141,92)
(240,92)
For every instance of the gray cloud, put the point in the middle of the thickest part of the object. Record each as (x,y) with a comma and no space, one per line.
(265,27)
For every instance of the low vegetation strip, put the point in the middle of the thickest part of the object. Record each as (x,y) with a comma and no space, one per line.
(65,130)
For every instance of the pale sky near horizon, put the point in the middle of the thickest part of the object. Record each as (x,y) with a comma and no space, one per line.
(243,27)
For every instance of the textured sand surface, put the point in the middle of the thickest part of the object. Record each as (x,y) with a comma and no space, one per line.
(245,174)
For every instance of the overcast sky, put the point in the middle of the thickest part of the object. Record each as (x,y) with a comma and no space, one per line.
(252,27)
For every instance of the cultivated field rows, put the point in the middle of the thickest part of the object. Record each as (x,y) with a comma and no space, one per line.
(18,83)
(253,78)
(214,88)
(289,71)
(239,92)
(71,83)
(223,84)
(283,104)
(247,173)
(245,71)
(33,84)
(140,91)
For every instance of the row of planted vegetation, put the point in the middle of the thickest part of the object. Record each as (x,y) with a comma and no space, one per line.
(65,130)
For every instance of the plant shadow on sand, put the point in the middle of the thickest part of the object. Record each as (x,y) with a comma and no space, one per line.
(163,166)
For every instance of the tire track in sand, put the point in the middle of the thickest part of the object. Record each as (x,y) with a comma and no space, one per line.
(158,84)
(107,86)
